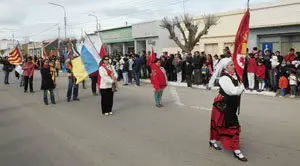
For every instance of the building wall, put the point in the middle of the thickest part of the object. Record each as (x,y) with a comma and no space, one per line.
(283,38)
(273,14)
(154,36)
(117,35)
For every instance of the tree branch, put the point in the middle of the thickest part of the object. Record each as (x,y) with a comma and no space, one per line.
(167,24)
(178,25)
(209,21)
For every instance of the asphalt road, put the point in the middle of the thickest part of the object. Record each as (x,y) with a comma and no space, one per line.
(139,134)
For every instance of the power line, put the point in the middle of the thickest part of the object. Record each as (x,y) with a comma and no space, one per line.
(169,3)
(72,26)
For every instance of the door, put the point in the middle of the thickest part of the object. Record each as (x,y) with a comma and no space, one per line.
(211,48)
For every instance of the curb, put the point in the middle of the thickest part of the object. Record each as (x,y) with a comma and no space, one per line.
(183,85)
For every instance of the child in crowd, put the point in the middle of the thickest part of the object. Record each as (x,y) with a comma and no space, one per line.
(205,73)
(251,71)
(283,85)
(260,75)
(293,84)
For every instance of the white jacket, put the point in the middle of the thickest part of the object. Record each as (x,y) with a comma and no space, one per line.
(106,80)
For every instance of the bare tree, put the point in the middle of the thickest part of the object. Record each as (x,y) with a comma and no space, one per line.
(189,30)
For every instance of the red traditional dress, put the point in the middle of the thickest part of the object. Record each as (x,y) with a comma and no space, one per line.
(225,126)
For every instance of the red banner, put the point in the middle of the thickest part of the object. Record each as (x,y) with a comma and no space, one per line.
(240,47)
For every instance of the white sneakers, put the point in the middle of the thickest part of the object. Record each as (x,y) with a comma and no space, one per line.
(106,114)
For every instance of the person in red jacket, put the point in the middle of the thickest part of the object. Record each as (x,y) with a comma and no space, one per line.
(290,56)
(251,71)
(261,74)
(28,68)
(158,81)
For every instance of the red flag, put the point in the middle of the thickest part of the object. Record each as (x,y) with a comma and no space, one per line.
(240,47)
(15,56)
(102,53)
(45,53)
(153,57)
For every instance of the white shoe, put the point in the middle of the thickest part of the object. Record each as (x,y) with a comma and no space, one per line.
(106,114)
(110,113)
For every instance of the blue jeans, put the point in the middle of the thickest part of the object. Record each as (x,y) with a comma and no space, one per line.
(157,97)
(22,81)
(282,92)
(6,77)
(70,88)
(125,78)
(51,96)
(137,78)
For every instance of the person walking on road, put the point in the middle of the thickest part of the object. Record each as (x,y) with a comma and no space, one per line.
(7,68)
(225,125)
(57,67)
(28,69)
(47,82)
(107,79)
(158,81)
(72,86)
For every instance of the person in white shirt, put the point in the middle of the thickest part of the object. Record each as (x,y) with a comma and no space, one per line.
(293,84)
(225,125)
(107,81)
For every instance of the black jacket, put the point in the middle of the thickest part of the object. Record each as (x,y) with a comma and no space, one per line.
(47,82)
(7,66)
(189,69)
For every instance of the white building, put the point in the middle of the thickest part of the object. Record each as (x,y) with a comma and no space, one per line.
(7,44)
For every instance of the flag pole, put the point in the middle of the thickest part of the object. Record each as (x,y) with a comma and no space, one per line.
(248,4)
(91,42)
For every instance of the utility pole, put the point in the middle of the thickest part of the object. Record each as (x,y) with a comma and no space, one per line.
(13,35)
(58,42)
(97,22)
(183,6)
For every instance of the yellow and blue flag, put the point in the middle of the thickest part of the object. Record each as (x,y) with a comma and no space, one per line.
(84,65)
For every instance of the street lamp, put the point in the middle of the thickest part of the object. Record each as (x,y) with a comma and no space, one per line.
(65,15)
(97,23)
(13,34)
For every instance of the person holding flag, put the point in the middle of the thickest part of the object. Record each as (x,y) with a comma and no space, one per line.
(72,86)
(225,125)
(158,81)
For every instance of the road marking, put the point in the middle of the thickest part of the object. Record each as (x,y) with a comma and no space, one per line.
(200,108)
(175,97)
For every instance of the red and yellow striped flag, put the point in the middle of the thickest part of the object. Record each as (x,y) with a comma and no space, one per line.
(15,57)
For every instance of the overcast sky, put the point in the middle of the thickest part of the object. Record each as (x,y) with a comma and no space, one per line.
(38,20)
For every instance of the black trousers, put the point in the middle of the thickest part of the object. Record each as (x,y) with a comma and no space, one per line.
(189,80)
(94,83)
(107,97)
(27,80)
